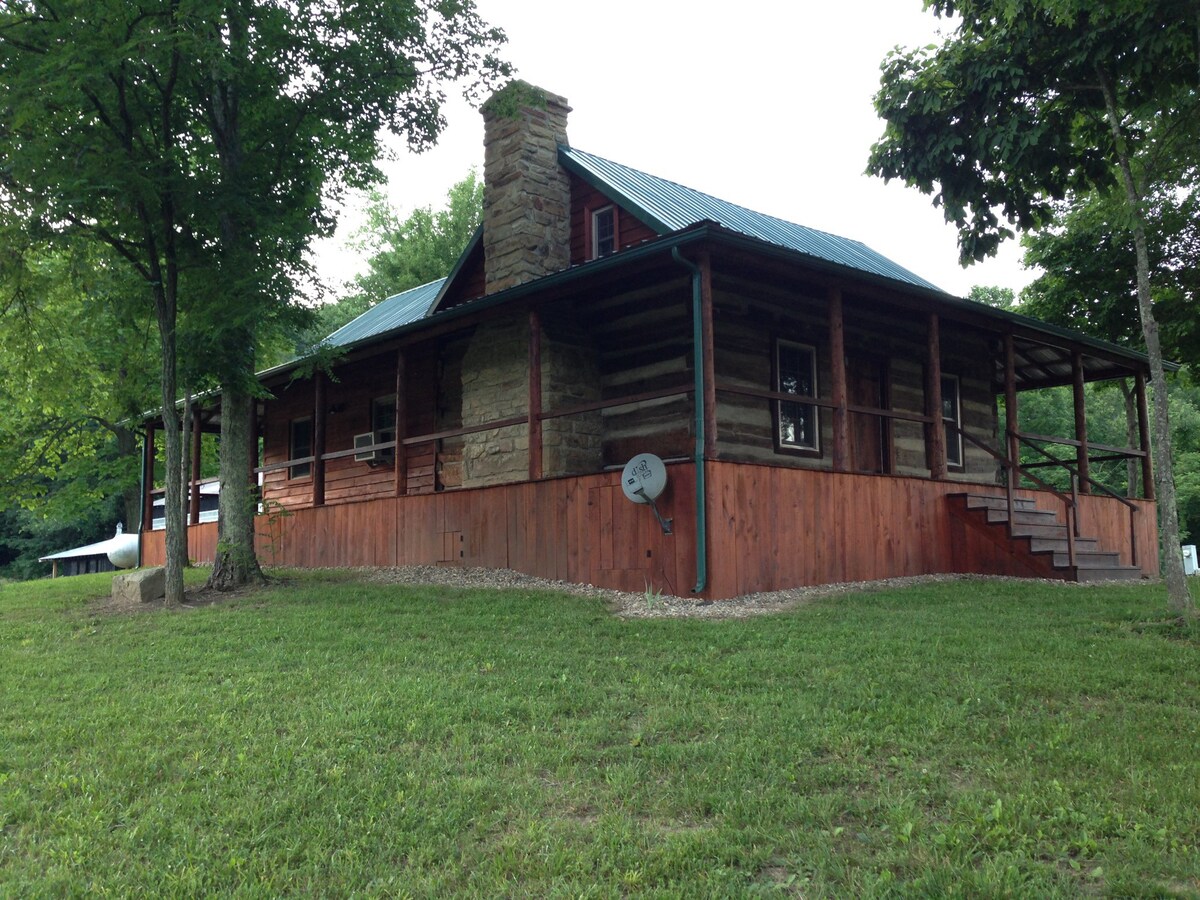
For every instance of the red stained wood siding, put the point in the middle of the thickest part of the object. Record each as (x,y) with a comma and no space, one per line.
(469,283)
(769,528)
(631,231)
(202,545)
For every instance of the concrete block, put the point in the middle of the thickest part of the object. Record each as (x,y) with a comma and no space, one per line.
(142,586)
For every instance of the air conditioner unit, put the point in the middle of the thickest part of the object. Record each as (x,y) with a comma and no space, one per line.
(361,441)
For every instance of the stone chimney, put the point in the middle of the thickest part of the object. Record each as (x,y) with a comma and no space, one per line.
(526,196)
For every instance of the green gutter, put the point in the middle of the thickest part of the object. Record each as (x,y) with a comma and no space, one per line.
(698,405)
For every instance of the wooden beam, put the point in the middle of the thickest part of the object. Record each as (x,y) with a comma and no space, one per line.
(194,506)
(935,431)
(535,394)
(1144,436)
(1081,435)
(401,451)
(1011,429)
(706,340)
(148,481)
(837,378)
(318,439)
(252,437)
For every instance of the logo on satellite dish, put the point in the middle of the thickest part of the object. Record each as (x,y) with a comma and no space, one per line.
(643,479)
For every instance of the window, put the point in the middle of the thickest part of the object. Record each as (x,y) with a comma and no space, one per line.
(299,446)
(796,373)
(604,232)
(383,423)
(951,418)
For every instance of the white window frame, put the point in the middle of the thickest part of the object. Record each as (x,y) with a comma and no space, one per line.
(611,210)
(955,458)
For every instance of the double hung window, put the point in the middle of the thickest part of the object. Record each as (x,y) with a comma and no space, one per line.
(604,232)
(796,422)
(300,445)
(952,420)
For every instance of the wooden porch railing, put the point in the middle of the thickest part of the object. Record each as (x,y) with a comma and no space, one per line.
(1116,453)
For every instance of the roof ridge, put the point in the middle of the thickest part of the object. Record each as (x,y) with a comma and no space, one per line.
(667,206)
(679,184)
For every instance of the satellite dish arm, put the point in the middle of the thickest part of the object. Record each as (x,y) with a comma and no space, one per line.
(664,523)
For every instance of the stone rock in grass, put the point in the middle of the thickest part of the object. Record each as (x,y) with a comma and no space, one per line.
(142,586)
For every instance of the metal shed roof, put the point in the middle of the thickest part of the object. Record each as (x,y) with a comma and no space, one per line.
(668,206)
(397,310)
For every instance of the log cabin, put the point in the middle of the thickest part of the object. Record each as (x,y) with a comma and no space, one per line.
(824,415)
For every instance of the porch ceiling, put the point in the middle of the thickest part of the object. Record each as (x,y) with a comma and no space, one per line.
(1039,364)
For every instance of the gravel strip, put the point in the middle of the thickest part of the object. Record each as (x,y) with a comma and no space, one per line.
(649,606)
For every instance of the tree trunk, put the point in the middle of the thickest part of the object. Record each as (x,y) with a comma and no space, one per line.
(1179,598)
(236,563)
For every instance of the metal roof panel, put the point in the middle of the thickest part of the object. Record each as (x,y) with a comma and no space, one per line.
(672,207)
(399,309)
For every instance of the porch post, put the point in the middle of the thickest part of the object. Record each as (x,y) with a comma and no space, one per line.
(837,381)
(318,440)
(935,431)
(194,510)
(252,437)
(1010,411)
(1144,436)
(148,481)
(706,338)
(535,395)
(401,486)
(1081,435)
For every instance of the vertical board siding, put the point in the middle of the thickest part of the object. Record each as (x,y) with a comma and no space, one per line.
(770,528)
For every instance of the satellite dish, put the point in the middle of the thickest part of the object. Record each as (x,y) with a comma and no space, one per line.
(644,478)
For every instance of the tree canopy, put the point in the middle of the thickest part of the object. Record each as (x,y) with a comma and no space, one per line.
(1090,280)
(404,254)
(201,142)
(1031,101)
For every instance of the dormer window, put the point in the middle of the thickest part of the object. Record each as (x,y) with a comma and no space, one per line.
(604,232)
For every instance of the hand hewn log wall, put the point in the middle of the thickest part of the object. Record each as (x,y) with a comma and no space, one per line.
(751,316)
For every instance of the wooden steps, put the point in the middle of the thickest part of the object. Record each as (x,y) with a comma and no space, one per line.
(1038,540)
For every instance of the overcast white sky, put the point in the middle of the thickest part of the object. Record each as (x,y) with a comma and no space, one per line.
(765,103)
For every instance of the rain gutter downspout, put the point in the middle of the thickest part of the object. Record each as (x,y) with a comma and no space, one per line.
(698,369)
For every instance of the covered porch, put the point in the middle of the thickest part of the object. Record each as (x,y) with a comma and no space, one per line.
(401,455)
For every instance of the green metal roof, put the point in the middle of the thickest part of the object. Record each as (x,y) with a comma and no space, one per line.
(386,315)
(667,206)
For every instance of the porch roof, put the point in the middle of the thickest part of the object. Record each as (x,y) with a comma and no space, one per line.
(1044,352)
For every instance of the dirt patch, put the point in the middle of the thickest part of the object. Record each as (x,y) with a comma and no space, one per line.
(193,598)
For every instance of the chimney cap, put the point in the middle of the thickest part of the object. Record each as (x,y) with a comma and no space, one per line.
(508,101)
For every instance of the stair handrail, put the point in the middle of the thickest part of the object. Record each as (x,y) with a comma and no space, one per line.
(1027,440)
(1069,503)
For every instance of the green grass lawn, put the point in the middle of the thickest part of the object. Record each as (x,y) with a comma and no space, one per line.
(327,737)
